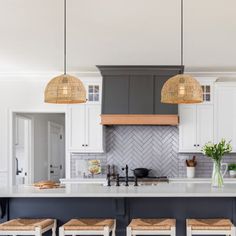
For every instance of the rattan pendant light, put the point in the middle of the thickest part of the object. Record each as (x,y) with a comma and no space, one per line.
(65,89)
(181,89)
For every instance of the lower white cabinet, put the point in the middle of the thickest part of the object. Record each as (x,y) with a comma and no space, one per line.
(85,130)
(225,113)
(196,127)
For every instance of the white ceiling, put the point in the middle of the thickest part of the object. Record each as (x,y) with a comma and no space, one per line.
(99,32)
(116,32)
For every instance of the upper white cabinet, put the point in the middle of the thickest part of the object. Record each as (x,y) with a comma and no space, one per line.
(196,121)
(209,33)
(85,131)
(225,113)
(196,127)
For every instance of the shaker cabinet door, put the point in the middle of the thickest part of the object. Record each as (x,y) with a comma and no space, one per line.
(77,127)
(85,131)
(225,114)
(94,130)
(205,125)
(187,128)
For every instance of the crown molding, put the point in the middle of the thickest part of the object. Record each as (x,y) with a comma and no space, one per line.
(44,76)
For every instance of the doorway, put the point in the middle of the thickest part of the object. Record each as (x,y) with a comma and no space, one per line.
(55,151)
(38,147)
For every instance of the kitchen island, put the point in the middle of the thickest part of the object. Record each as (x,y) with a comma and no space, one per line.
(177,199)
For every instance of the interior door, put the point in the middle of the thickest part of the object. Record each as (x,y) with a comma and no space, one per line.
(56,151)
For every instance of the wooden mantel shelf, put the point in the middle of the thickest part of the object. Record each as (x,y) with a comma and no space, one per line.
(145,119)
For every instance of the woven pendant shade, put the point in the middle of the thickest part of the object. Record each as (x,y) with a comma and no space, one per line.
(65,89)
(181,89)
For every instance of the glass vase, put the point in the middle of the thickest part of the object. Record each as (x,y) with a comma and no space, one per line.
(217,177)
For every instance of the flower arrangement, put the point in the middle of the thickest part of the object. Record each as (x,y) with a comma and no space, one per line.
(216,152)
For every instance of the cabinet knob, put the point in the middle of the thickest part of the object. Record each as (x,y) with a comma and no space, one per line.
(86,145)
(82,145)
(198,145)
(194,145)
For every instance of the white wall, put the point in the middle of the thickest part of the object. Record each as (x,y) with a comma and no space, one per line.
(210,34)
(23,93)
(99,32)
(19,94)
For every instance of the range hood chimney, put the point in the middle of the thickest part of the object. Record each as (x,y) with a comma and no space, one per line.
(132,95)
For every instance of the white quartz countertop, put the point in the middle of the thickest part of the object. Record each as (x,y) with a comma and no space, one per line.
(175,188)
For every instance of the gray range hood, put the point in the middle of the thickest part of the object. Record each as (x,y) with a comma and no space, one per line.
(132,95)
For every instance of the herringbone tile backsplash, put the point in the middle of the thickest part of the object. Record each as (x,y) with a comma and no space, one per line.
(154,147)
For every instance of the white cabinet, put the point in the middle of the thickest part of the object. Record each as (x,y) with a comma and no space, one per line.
(196,127)
(225,113)
(187,128)
(197,120)
(85,130)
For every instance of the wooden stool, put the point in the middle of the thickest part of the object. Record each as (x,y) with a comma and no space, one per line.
(151,227)
(28,227)
(88,227)
(209,227)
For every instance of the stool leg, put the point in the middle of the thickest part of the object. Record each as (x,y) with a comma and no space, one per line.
(173,230)
(61,231)
(106,231)
(233,231)
(114,229)
(38,231)
(189,231)
(128,231)
(54,228)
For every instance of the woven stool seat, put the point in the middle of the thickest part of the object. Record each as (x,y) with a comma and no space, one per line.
(25,224)
(152,224)
(88,224)
(209,224)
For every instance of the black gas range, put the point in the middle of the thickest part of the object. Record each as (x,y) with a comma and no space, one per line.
(149,180)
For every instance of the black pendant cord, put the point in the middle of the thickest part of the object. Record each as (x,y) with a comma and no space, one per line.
(65,37)
(182,34)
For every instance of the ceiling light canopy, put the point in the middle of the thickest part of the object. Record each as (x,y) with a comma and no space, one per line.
(181,89)
(65,89)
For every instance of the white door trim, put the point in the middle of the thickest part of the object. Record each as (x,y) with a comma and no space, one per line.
(11,112)
(50,124)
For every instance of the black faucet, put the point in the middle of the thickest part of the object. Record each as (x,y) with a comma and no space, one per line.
(117,180)
(108,176)
(108,180)
(126,168)
(135,181)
